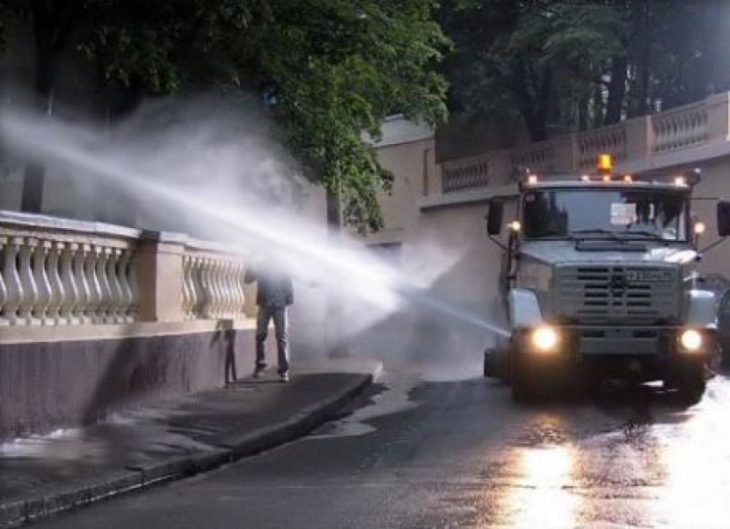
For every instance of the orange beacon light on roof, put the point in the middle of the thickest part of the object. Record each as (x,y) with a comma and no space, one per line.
(604,164)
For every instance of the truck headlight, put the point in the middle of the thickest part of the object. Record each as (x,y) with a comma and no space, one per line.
(545,339)
(691,340)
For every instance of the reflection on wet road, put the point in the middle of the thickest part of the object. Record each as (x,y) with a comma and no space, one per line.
(650,464)
(461,454)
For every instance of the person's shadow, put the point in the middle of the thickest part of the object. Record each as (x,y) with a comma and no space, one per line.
(226,335)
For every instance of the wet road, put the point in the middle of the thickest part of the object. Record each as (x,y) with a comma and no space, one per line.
(460,454)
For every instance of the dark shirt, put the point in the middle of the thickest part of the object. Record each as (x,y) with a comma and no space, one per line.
(275,290)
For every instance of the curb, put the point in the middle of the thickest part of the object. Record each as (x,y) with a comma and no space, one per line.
(132,479)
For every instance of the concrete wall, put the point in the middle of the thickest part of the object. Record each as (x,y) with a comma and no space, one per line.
(53,384)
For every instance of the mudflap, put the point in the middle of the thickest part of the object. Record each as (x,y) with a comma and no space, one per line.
(496,365)
(689,379)
(534,377)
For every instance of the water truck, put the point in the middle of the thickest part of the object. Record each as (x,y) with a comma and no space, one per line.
(599,282)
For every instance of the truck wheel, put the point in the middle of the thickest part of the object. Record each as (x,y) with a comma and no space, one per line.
(690,384)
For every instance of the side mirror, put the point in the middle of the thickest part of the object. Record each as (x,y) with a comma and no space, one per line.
(494,218)
(723,219)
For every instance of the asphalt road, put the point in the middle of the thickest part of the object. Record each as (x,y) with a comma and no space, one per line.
(461,454)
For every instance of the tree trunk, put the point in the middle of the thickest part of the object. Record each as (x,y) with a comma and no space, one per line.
(640,99)
(334,212)
(535,109)
(582,113)
(616,90)
(45,73)
(52,25)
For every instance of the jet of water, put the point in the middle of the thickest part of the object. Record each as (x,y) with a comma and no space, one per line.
(307,253)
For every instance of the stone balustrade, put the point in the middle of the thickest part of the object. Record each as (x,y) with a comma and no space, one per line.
(680,127)
(60,272)
(465,174)
(630,142)
(213,285)
(611,140)
(536,157)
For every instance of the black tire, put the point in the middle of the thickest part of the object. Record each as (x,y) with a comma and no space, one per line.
(690,384)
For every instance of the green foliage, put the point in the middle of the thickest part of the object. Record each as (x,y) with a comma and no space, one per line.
(327,69)
(526,55)
(577,63)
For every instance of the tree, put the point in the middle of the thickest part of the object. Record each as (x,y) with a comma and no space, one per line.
(326,69)
(581,63)
(53,23)
(543,58)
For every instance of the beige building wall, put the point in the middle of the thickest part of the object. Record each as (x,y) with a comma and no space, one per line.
(715,186)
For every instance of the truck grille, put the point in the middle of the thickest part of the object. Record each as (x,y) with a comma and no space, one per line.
(618,294)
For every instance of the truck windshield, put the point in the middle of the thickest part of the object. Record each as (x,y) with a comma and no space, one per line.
(611,213)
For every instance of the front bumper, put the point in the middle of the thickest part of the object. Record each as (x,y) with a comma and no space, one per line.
(652,352)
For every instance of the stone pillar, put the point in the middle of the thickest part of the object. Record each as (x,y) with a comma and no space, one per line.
(639,138)
(718,116)
(160,276)
(500,168)
(566,153)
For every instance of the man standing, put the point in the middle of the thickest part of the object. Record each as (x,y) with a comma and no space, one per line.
(275,294)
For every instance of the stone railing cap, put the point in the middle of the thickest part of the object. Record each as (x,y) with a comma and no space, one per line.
(164,236)
(212,246)
(48,222)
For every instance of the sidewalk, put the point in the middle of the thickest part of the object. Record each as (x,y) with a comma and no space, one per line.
(170,439)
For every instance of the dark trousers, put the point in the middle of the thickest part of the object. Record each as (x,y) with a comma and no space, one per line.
(281,333)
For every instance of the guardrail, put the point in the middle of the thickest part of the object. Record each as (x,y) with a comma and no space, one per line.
(697,124)
(213,284)
(680,127)
(59,272)
(467,173)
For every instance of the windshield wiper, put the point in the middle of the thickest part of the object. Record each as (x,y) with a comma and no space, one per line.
(598,231)
(555,233)
(645,233)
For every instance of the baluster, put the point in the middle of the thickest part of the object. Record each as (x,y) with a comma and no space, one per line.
(115,302)
(133,287)
(199,309)
(3,289)
(242,288)
(30,290)
(225,292)
(205,287)
(237,292)
(54,280)
(236,289)
(12,280)
(193,288)
(68,305)
(232,289)
(187,296)
(127,296)
(94,287)
(81,308)
(206,279)
(217,288)
(40,274)
(106,289)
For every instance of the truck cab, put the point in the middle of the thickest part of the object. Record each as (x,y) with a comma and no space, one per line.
(599,282)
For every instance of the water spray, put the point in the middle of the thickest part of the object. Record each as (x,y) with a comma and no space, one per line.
(337,262)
